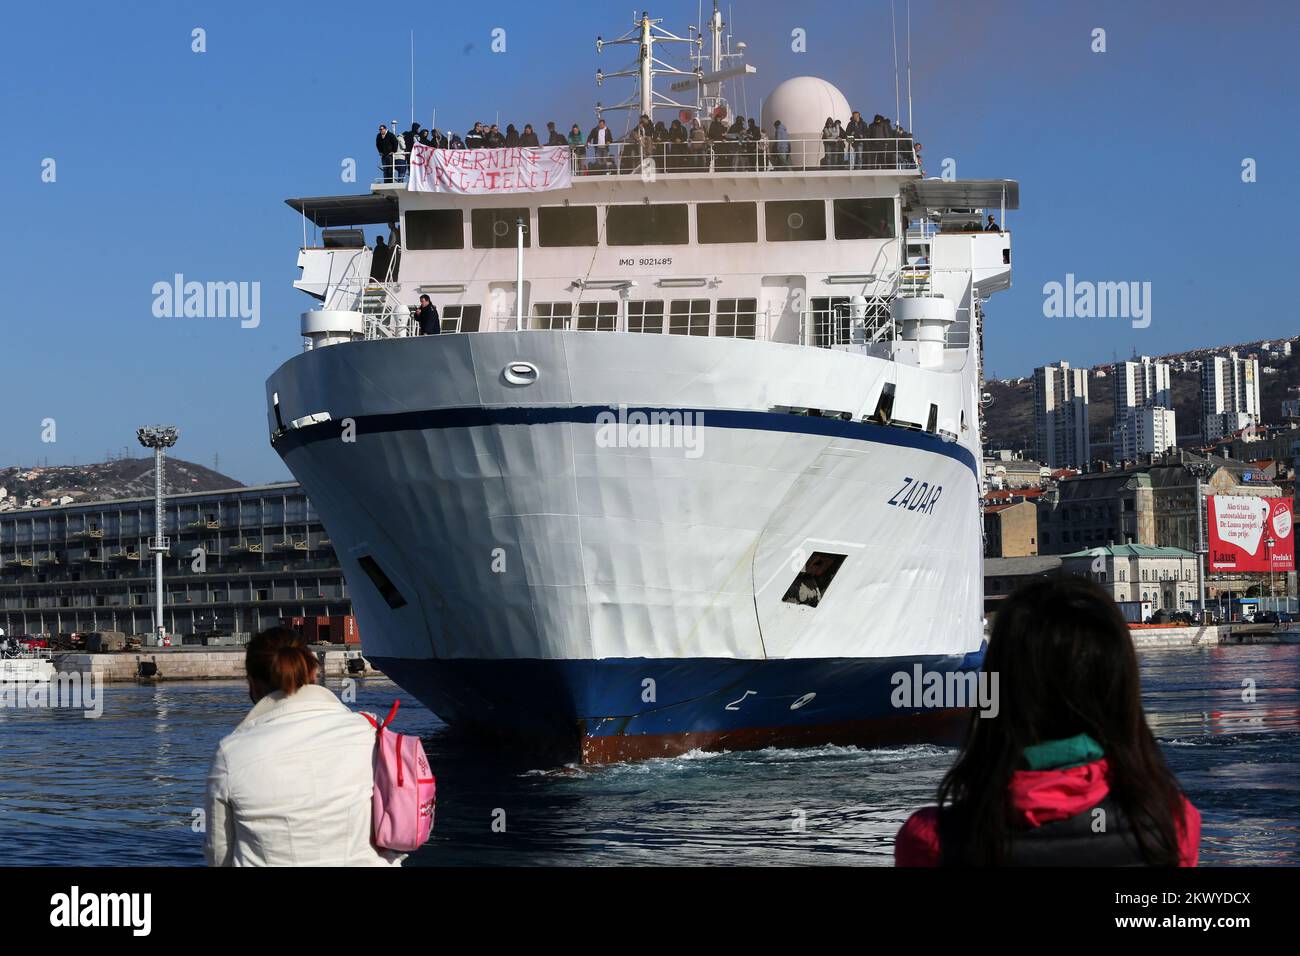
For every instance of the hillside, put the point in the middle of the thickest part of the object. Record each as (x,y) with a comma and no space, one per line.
(121,478)
(1009,418)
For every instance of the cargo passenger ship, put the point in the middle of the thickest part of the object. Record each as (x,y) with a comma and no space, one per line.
(694,462)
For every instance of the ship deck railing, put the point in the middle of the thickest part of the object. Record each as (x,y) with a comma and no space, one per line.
(387,316)
(756,324)
(827,328)
(803,154)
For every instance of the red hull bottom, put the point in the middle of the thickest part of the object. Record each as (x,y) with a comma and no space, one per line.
(944,727)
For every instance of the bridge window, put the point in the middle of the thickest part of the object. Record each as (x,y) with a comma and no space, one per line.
(736,317)
(566,226)
(864,219)
(435,229)
(597,316)
(647,224)
(798,220)
(461,318)
(726,222)
(497,228)
(552,315)
(646,315)
(689,317)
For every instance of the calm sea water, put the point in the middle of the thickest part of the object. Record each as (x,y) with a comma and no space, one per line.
(122,789)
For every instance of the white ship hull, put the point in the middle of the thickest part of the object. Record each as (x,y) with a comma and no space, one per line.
(557,579)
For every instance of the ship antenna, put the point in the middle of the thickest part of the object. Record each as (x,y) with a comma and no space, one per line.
(645,35)
(893,29)
(910,128)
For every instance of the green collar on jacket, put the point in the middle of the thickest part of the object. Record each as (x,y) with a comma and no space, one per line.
(1063,754)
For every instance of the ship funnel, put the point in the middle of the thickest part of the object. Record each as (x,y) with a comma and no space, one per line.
(923,323)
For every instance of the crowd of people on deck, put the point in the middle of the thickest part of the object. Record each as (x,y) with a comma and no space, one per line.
(679,146)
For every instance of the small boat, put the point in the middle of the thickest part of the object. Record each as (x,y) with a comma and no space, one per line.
(26,669)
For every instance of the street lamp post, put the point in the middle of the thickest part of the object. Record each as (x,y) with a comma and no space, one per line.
(1268,543)
(158,437)
(1200,547)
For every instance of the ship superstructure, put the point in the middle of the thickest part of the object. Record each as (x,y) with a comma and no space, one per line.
(695,459)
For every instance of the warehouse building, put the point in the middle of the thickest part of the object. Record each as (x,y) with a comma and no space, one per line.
(239,561)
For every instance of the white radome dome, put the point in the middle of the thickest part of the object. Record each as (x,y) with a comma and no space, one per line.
(802,105)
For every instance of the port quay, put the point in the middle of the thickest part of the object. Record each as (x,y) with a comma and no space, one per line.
(530,448)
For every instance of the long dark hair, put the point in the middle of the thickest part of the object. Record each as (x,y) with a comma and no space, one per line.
(1066,666)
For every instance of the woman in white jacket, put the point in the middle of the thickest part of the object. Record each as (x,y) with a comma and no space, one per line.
(291,785)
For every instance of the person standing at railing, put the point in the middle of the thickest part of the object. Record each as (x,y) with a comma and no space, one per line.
(677,137)
(891,144)
(730,148)
(427,318)
(528,137)
(409,139)
(661,139)
(643,144)
(750,142)
(835,144)
(386,143)
(878,131)
(577,147)
(553,135)
(600,138)
(829,142)
(781,151)
(476,138)
(857,133)
(697,145)
(903,150)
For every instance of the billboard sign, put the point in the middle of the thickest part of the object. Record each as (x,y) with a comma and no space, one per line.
(1250,534)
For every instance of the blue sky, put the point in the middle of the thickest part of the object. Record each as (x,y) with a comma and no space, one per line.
(173,161)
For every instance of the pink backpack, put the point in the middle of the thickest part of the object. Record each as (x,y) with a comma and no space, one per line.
(404,791)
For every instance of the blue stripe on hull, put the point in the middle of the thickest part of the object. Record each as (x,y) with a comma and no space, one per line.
(482,416)
(601,707)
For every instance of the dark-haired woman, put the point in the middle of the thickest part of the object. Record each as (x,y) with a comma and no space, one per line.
(1067,773)
(291,785)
